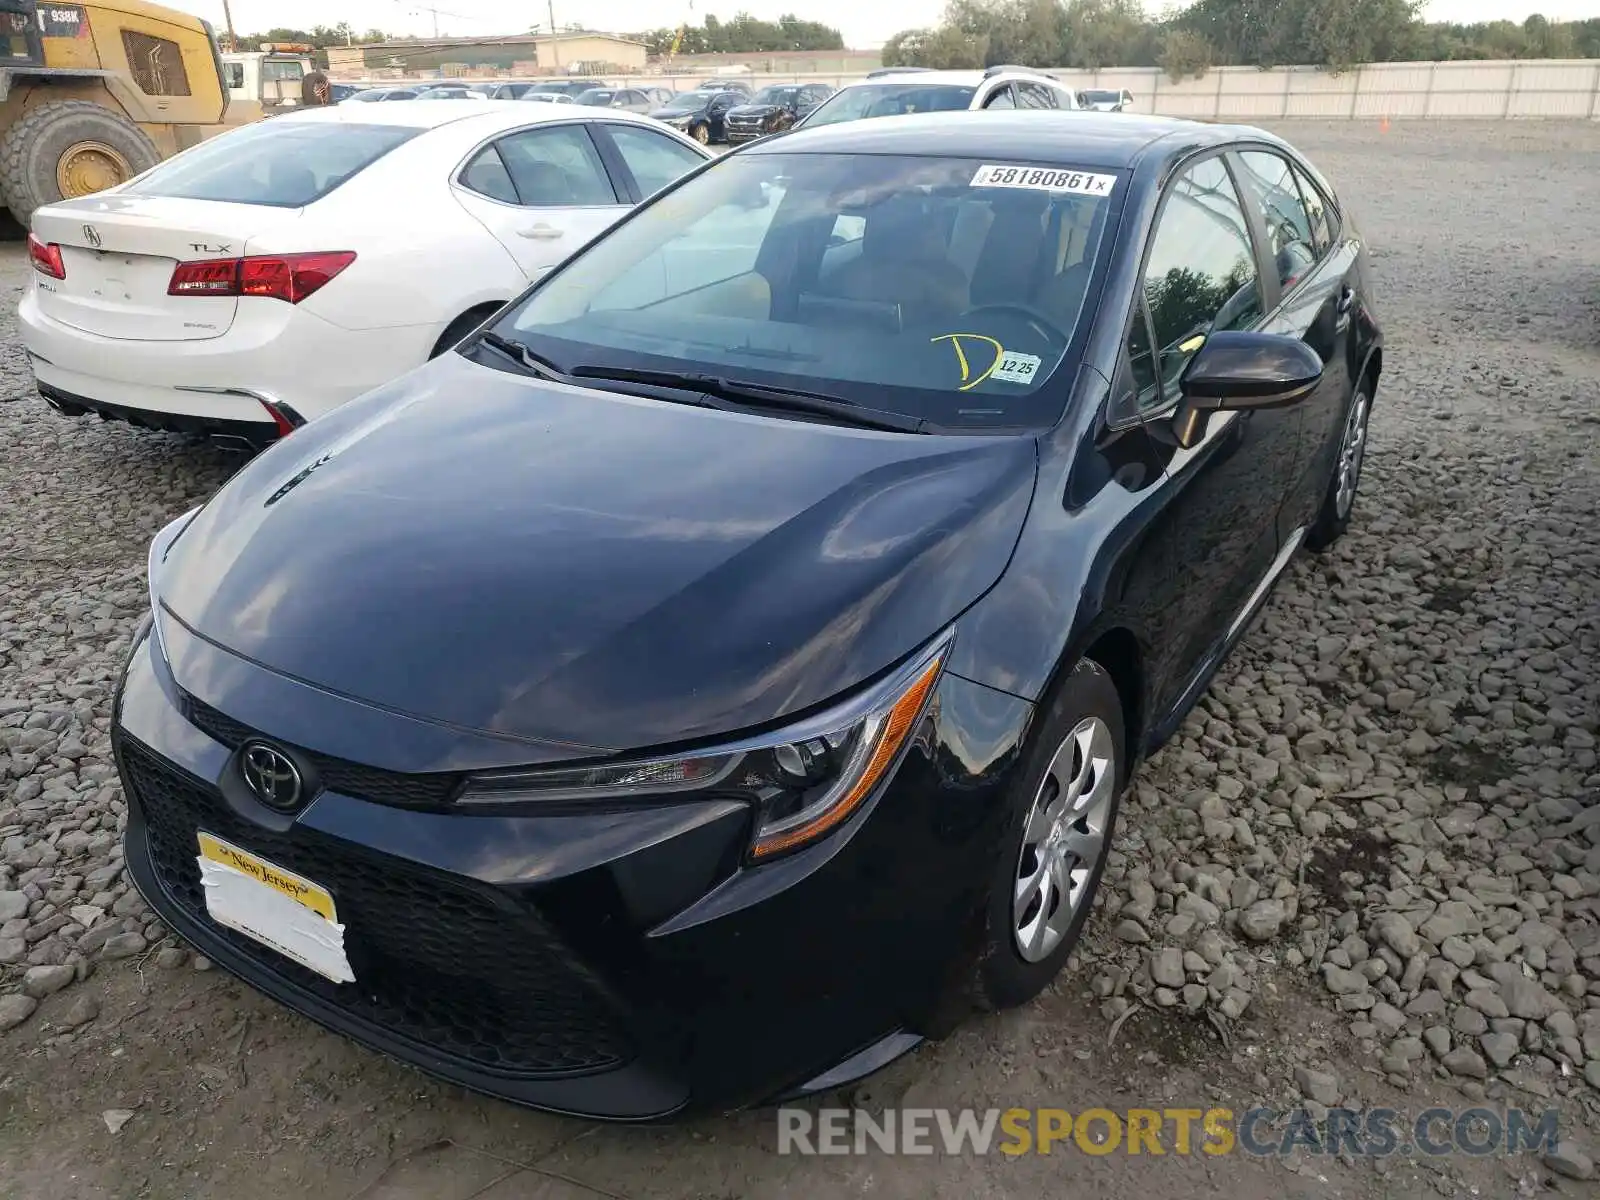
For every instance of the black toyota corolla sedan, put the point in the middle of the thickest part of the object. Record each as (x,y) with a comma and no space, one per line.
(720,671)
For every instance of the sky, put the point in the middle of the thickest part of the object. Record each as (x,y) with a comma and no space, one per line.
(865,26)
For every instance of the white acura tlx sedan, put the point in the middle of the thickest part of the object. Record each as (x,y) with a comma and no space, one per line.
(269,274)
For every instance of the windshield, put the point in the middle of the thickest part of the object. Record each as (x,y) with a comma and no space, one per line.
(945,289)
(1101,97)
(596,96)
(775,95)
(698,99)
(889,100)
(282,162)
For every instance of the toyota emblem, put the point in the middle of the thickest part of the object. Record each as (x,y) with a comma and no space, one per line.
(271,775)
(92,236)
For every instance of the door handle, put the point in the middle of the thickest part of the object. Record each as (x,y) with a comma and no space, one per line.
(543,233)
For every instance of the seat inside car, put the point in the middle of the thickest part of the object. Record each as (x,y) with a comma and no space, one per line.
(904,261)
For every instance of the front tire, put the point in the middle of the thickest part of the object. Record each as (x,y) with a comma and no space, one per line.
(1338,501)
(66,149)
(1063,815)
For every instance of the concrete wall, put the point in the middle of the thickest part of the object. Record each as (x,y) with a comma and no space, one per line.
(1558,88)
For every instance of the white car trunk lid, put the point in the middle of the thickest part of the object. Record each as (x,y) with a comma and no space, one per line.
(120,252)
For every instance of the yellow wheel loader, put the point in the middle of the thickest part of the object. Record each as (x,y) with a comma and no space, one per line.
(93,94)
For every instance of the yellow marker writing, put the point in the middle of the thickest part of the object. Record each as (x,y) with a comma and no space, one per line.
(967,381)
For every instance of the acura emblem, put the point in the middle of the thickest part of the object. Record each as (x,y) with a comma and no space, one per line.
(271,775)
(92,236)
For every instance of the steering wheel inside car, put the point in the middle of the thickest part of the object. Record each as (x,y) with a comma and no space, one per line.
(1036,318)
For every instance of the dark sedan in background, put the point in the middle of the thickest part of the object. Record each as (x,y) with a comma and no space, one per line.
(702,113)
(721,671)
(772,110)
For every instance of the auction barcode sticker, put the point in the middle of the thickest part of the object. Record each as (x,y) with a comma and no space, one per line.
(1044,179)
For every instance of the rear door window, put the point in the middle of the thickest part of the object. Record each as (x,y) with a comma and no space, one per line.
(654,158)
(282,162)
(1001,98)
(1036,95)
(557,167)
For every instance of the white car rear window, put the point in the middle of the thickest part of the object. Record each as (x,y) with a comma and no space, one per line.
(285,164)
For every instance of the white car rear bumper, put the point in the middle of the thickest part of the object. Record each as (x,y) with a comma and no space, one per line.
(295,360)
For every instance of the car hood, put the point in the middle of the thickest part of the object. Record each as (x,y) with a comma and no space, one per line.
(563,564)
(755,110)
(677,110)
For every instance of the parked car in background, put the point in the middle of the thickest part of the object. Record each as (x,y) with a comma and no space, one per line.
(723,669)
(661,95)
(627,99)
(511,89)
(573,87)
(338,93)
(547,97)
(725,85)
(268,275)
(891,92)
(376,94)
(1105,100)
(773,109)
(449,92)
(701,113)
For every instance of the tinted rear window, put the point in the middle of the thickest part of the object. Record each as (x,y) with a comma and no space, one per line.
(285,164)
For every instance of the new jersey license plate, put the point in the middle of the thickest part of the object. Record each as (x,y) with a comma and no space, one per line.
(277,907)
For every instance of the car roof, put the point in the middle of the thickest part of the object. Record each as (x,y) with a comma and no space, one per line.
(957,79)
(1087,139)
(485,116)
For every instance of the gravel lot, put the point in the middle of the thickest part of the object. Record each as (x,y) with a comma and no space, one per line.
(1368,870)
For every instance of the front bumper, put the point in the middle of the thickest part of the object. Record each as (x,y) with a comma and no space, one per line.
(622,965)
(737,134)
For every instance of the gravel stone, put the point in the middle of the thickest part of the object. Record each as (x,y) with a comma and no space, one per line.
(40,982)
(123,945)
(82,1009)
(1499,1048)
(1166,967)
(1262,920)
(1317,1085)
(1465,1062)
(1567,1158)
(15,1009)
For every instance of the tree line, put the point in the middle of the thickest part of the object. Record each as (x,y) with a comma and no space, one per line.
(743,34)
(1335,34)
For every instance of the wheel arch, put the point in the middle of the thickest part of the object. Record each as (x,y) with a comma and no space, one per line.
(1371,369)
(1116,649)
(456,328)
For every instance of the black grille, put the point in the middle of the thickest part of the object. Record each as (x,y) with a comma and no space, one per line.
(353,779)
(466,974)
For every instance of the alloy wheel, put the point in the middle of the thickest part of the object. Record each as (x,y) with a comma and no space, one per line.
(1352,450)
(1064,839)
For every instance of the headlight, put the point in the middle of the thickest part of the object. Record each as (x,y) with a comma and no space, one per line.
(802,782)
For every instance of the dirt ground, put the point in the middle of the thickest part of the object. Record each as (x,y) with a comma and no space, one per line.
(232,1096)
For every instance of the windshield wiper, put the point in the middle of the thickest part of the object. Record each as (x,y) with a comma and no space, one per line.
(514,349)
(759,395)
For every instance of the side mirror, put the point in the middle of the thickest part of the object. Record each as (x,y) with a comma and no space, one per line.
(1236,371)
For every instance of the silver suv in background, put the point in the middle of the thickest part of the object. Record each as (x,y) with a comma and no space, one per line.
(895,91)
